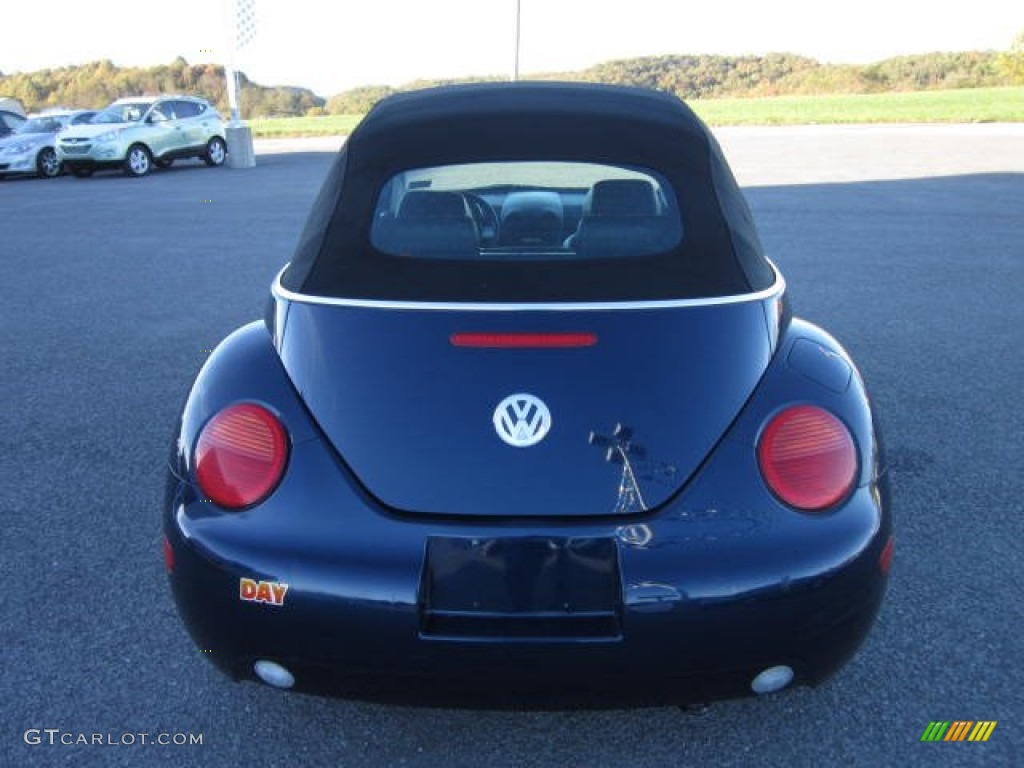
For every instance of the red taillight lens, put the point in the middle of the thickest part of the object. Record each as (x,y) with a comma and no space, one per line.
(241,455)
(807,458)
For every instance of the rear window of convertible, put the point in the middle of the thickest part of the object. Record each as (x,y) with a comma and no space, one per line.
(511,211)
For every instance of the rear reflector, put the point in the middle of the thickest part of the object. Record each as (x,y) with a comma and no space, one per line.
(523,340)
(807,458)
(168,555)
(885,561)
(240,456)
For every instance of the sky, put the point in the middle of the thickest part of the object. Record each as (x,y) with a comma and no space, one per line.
(333,45)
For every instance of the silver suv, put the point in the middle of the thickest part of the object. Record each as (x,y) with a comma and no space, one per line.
(136,133)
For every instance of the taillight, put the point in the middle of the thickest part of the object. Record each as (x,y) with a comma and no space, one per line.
(807,458)
(523,340)
(240,456)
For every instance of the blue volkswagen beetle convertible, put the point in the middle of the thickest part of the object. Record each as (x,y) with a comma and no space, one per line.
(529,418)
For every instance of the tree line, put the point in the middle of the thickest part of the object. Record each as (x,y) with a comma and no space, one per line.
(98,83)
(774,74)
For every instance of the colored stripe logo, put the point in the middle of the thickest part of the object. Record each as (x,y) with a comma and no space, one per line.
(959,730)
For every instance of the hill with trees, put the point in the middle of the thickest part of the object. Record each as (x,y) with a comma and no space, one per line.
(774,74)
(688,76)
(98,83)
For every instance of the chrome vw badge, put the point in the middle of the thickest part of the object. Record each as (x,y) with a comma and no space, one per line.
(522,420)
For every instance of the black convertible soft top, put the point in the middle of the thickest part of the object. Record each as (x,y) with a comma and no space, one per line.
(720,254)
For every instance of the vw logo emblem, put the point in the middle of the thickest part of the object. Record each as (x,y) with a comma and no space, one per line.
(522,420)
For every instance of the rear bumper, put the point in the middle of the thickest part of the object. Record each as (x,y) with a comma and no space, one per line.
(366,647)
(709,595)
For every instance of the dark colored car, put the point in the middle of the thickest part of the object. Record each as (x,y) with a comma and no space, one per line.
(529,419)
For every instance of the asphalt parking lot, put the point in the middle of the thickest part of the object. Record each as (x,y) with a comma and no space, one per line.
(907,243)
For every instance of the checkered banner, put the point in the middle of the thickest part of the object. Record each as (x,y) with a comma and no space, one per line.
(245,22)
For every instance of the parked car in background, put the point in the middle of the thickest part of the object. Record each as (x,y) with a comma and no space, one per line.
(135,134)
(11,115)
(30,149)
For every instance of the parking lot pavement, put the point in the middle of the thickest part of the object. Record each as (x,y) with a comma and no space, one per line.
(906,244)
(264,147)
(827,154)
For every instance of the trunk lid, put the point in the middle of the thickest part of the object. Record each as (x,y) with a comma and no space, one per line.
(632,416)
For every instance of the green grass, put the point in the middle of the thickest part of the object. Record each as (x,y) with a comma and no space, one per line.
(967,105)
(281,127)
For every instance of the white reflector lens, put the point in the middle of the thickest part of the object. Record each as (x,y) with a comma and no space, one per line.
(772,679)
(272,673)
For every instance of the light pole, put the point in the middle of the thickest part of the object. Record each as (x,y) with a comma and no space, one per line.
(515,61)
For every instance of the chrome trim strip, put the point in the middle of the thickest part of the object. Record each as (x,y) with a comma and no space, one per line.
(775,289)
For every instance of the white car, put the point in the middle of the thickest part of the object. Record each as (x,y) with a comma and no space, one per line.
(31,148)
